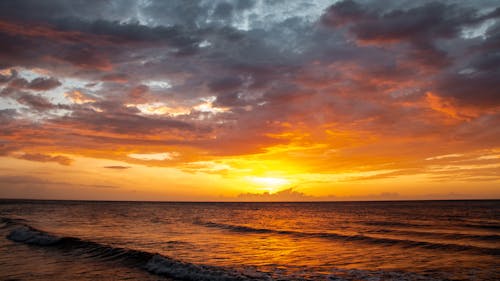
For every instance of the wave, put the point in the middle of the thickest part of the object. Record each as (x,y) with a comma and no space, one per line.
(152,262)
(178,270)
(441,235)
(357,238)
(482,226)
(395,223)
(491,226)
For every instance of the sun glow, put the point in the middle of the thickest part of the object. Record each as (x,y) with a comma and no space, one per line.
(269,184)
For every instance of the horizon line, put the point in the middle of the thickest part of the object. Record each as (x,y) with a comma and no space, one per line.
(215,201)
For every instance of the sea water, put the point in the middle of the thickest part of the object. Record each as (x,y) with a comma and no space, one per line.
(401,240)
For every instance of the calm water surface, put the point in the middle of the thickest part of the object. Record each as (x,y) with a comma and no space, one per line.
(426,240)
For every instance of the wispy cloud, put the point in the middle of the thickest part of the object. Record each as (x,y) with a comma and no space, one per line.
(154,156)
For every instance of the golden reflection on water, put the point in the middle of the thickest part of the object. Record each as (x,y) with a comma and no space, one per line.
(302,240)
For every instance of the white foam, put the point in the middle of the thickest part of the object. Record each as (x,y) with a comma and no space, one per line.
(163,266)
(31,236)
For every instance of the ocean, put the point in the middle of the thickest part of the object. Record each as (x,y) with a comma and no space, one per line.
(400,240)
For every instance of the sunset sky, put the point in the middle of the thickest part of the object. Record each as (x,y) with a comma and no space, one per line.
(249,100)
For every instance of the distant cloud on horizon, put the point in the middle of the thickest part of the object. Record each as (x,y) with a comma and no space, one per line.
(290,194)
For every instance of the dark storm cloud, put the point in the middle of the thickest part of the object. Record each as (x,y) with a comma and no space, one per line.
(31,50)
(431,20)
(33,10)
(233,99)
(422,26)
(223,10)
(479,89)
(122,122)
(120,32)
(344,12)
(364,64)
(225,84)
(90,45)
(492,40)
(476,82)
(86,58)
(244,4)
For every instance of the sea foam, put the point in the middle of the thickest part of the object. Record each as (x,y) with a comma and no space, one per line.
(30,235)
(152,262)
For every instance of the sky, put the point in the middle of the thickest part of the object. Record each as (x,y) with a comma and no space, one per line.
(249,100)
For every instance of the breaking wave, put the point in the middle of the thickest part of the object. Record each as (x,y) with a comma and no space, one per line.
(359,238)
(20,231)
(152,262)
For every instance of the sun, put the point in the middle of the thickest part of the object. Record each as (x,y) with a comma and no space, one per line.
(269,184)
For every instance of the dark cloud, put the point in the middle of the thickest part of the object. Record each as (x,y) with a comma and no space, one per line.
(123,122)
(244,4)
(119,32)
(225,84)
(38,157)
(475,83)
(476,89)
(137,94)
(43,84)
(344,12)
(431,20)
(223,10)
(16,90)
(117,167)
(115,77)
(420,26)
(492,40)
(35,102)
(239,77)
(19,83)
(32,10)
(233,100)
(87,58)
